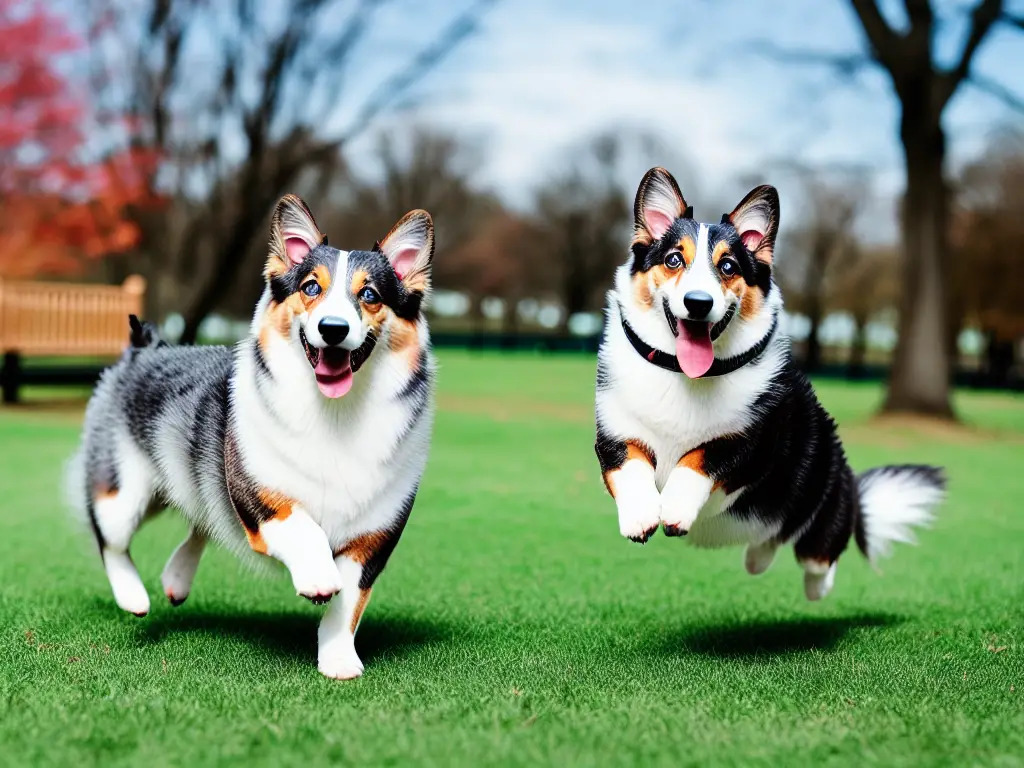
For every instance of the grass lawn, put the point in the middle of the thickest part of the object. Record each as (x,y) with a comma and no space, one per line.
(515,626)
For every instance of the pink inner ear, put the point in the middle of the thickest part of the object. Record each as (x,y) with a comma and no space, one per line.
(296,248)
(657,222)
(403,259)
(752,238)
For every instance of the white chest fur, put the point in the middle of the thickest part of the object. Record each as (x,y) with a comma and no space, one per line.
(352,462)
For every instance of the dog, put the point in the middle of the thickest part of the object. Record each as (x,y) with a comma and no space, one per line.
(705,427)
(304,443)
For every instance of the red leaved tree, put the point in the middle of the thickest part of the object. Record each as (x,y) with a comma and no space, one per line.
(56,210)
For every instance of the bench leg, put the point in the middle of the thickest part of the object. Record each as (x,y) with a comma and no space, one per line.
(10,376)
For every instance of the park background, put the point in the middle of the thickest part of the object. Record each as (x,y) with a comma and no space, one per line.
(153,137)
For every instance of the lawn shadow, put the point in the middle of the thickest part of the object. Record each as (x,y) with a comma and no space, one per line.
(293,635)
(776,637)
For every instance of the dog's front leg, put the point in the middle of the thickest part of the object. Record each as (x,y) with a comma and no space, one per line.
(627,467)
(279,527)
(359,563)
(687,490)
(293,537)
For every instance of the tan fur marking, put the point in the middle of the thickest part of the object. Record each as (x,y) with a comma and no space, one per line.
(688,249)
(364,598)
(404,334)
(638,450)
(358,281)
(103,493)
(660,275)
(417,281)
(642,290)
(256,541)
(693,460)
(364,547)
(751,302)
(279,504)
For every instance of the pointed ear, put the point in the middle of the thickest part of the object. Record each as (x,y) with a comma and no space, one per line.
(756,218)
(658,204)
(409,247)
(293,234)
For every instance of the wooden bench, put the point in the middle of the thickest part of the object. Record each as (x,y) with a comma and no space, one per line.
(55,320)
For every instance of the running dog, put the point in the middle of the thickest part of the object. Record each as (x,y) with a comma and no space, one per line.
(705,427)
(304,443)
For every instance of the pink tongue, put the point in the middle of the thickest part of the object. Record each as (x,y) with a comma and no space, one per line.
(334,373)
(693,348)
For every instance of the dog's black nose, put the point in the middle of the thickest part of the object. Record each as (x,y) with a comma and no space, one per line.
(333,330)
(698,304)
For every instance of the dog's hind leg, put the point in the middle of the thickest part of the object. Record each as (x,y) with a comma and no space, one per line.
(181,568)
(118,497)
(819,576)
(759,557)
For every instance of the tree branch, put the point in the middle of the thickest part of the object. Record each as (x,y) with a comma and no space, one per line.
(430,57)
(985,15)
(1013,21)
(1000,91)
(847,64)
(880,35)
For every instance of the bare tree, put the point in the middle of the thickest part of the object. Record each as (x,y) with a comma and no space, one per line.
(817,248)
(920,379)
(863,282)
(988,259)
(583,216)
(241,103)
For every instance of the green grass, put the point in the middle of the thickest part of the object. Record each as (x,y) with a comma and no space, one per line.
(514,626)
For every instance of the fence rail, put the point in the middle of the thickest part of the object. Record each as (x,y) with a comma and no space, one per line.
(67,319)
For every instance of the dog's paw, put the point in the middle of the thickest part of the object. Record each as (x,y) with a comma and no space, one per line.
(317,582)
(681,500)
(343,666)
(639,513)
(759,557)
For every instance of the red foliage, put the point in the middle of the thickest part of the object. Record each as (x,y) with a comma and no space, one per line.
(55,209)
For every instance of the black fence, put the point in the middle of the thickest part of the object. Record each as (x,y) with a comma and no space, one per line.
(16,373)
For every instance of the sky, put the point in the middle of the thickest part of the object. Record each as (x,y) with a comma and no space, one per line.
(540,76)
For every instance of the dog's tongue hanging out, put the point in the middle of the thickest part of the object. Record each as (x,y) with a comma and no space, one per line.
(693,348)
(334,372)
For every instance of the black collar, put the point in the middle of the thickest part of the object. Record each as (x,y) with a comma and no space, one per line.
(718,367)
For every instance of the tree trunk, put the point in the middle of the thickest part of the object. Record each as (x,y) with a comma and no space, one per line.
(858,350)
(920,377)
(999,358)
(812,358)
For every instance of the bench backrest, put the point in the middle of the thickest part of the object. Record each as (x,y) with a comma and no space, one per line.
(62,319)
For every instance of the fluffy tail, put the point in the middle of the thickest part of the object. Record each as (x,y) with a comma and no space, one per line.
(893,501)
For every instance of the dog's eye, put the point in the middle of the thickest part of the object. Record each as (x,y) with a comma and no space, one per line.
(369,296)
(312,289)
(674,260)
(728,267)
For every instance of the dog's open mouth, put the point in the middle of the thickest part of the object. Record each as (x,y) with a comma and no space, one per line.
(694,339)
(332,368)
(693,347)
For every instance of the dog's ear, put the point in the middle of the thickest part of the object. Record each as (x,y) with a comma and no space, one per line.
(293,234)
(658,204)
(409,247)
(756,218)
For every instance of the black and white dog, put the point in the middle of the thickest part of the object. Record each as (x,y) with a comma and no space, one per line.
(704,425)
(304,443)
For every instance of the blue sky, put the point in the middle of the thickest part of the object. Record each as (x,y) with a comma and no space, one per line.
(540,76)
